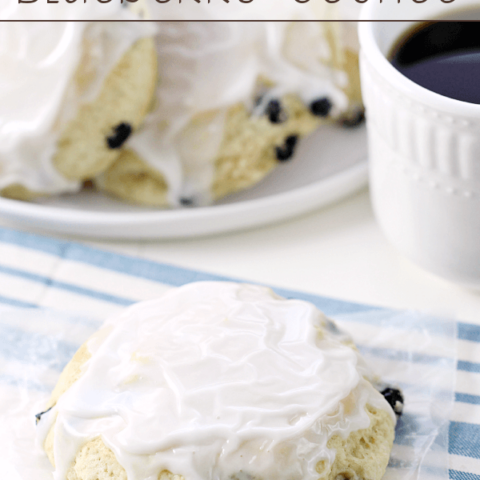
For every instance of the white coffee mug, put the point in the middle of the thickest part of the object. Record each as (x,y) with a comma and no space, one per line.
(424,153)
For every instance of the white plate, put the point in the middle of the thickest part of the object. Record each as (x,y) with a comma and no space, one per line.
(329,165)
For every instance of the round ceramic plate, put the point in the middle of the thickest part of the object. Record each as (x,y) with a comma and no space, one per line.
(329,165)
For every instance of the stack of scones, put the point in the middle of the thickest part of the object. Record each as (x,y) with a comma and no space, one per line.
(165,114)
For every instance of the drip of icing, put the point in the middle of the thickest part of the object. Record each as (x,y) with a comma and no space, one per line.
(37,92)
(215,380)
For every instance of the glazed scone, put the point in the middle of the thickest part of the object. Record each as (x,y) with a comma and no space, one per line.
(70,98)
(233,102)
(91,141)
(251,147)
(217,380)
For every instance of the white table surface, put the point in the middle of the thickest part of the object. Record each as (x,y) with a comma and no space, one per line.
(338,251)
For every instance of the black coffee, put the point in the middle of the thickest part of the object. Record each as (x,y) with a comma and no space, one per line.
(443,57)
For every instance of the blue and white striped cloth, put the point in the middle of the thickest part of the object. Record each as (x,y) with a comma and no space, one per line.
(37,271)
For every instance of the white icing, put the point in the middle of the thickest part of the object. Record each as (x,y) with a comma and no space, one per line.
(215,381)
(208,67)
(37,95)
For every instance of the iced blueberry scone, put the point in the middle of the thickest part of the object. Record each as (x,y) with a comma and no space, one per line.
(233,101)
(218,381)
(71,93)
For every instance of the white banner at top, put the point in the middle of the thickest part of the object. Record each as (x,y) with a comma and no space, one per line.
(242,10)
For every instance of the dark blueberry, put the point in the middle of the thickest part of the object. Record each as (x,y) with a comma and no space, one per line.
(38,416)
(395,398)
(354,119)
(286,151)
(187,202)
(120,135)
(275,112)
(321,107)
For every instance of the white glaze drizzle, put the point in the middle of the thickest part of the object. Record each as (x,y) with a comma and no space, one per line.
(37,94)
(214,381)
(208,67)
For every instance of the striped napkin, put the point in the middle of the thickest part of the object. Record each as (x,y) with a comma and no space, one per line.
(84,285)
